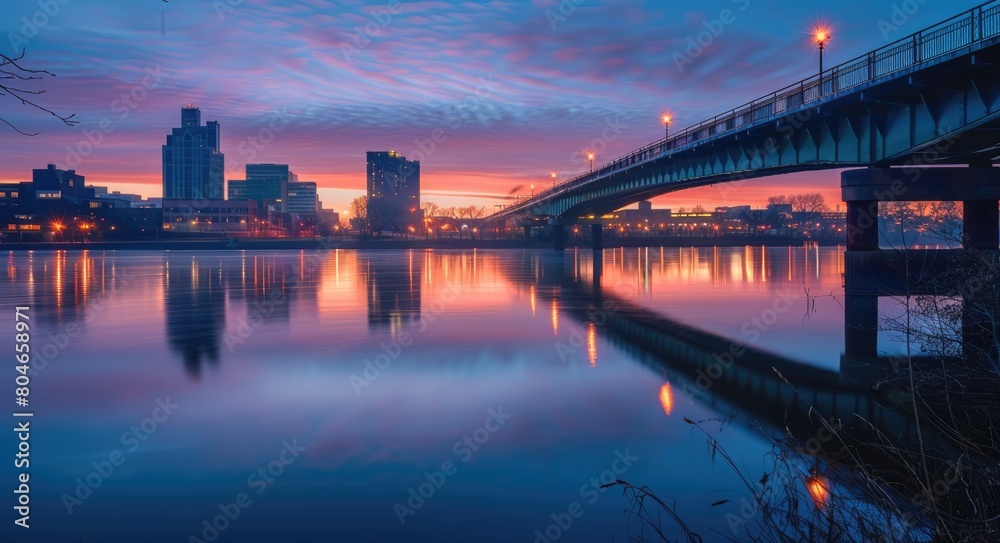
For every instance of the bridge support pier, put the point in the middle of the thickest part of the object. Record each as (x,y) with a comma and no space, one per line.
(558,237)
(862,225)
(980,224)
(977,187)
(597,236)
(527,232)
(598,271)
(861,327)
(870,273)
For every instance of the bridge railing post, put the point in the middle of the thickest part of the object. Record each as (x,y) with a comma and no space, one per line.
(973,27)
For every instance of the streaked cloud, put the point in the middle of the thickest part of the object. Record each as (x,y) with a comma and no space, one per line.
(415,67)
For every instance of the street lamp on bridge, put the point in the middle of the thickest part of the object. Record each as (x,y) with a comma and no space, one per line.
(553,179)
(590,156)
(666,126)
(822,36)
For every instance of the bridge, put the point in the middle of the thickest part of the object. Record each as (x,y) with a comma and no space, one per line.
(776,394)
(929,98)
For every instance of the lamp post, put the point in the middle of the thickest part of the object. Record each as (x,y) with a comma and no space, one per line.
(532,191)
(822,36)
(591,157)
(553,179)
(666,127)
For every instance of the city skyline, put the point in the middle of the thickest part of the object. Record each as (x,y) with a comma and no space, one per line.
(539,100)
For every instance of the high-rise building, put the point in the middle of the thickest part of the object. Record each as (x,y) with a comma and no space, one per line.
(236,189)
(266,184)
(394,187)
(192,160)
(302,198)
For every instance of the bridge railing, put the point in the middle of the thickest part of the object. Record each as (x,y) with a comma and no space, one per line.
(973,26)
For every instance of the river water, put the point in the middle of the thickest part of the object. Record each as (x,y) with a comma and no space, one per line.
(393,395)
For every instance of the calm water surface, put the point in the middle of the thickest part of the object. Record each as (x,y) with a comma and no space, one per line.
(264,351)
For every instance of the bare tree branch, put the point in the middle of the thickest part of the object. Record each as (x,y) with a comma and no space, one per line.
(11,69)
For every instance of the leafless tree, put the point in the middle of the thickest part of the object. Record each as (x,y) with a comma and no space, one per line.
(430,209)
(382,214)
(16,81)
(810,202)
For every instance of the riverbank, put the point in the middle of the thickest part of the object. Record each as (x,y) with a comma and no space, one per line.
(311,244)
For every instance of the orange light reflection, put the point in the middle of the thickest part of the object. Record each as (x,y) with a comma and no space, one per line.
(666,398)
(818,490)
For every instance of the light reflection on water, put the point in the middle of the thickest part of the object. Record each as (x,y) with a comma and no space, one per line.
(378,363)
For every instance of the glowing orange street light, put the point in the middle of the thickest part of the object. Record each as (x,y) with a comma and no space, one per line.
(821,36)
(590,156)
(666,126)
(553,179)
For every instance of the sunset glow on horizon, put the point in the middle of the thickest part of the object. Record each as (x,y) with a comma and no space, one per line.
(488,97)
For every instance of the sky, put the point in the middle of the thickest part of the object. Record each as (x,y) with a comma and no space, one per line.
(489,96)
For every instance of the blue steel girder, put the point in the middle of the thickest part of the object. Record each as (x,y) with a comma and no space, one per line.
(931,99)
(949,120)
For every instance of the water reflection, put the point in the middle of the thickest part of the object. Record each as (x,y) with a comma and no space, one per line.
(667,398)
(262,291)
(651,332)
(392,282)
(194,298)
(782,395)
(61,285)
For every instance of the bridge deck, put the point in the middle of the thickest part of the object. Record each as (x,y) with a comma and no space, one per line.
(816,123)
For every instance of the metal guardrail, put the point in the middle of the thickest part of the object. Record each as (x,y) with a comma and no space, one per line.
(976,25)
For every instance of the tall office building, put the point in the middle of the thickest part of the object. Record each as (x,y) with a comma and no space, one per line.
(236,189)
(266,184)
(192,160)
(302,198)
(394,183)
